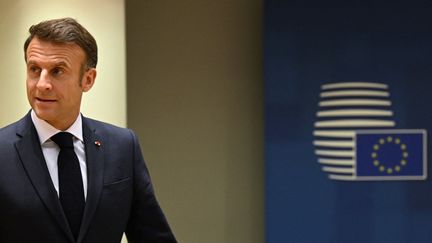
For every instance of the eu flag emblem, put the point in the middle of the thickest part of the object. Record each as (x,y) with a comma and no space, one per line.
(391,154)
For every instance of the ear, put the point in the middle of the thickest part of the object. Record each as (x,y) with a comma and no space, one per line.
(88,79)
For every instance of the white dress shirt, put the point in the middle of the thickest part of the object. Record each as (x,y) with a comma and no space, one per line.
(51,150)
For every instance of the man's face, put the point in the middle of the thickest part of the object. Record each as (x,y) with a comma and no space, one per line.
(56,79)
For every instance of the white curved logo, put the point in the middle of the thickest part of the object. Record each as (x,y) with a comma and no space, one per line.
(355,139)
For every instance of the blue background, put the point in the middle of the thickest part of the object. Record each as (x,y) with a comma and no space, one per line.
(310,43)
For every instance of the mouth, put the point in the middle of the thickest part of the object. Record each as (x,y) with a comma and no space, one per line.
(44,100)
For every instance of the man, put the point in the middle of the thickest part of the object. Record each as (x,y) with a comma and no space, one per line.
(64,177)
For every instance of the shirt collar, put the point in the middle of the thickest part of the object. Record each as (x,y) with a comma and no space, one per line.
(46,131)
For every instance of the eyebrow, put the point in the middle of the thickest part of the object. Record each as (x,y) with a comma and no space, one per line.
(57,64)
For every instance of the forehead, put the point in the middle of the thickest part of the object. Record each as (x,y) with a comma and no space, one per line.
(47,51)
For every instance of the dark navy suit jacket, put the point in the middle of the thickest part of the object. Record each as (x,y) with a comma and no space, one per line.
(120,195)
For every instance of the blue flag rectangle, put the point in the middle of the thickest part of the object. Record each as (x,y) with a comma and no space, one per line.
(391,154)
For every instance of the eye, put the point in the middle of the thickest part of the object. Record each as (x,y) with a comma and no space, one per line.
(57,71)
(34,69)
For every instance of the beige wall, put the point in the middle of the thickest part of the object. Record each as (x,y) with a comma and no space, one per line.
(107,99)
(103,18)
(195,100)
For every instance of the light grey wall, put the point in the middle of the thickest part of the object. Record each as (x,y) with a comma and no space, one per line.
(194,88)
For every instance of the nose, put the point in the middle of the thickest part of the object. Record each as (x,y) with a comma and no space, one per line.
(44,82)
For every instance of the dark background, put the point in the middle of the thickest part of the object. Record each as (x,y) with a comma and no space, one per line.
(311,43)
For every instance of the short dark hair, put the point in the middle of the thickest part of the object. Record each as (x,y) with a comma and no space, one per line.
(65,30)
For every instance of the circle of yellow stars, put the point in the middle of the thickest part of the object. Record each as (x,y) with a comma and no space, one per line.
(398,166)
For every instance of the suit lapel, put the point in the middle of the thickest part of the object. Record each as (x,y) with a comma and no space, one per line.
(95,160)
(30,152)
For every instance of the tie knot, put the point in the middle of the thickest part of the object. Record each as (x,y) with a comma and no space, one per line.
(63,139)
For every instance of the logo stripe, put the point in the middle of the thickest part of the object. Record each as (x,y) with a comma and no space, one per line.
(335,153)
(354,112)
(354,85)
(355,123)
(338,170)
(334,144)
(355,93)
(354,102)
(341,177)
(336,161)
(334,134)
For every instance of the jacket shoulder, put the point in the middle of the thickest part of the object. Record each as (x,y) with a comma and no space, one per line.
(15,128)
(107,129)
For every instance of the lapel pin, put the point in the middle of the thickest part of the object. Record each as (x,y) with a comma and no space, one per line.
(98,143)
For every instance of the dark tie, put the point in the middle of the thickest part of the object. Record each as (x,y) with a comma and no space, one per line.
(71,191)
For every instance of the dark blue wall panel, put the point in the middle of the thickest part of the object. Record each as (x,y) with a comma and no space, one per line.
(307,45)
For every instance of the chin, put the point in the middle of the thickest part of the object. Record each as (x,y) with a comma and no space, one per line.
(43,115)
